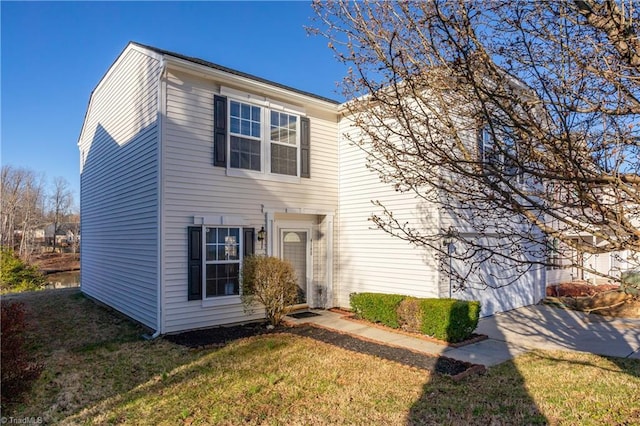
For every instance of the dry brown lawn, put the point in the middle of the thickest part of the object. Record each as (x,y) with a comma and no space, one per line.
(97,370)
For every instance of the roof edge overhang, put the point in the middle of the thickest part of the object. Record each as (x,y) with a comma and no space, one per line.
(114,65)
(248,83)
(230,76)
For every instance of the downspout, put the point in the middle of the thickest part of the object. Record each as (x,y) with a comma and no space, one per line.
(153,336)
(160,250)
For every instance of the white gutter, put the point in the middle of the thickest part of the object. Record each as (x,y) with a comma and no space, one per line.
(248,84)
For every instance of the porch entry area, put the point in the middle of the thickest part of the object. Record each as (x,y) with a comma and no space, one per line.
(305,241)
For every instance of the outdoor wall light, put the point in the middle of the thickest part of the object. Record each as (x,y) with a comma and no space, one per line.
(449,238)
(262,234)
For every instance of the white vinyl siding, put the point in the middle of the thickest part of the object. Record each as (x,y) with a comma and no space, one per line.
(119,188)
(192,186)
(369,259)
(506,289)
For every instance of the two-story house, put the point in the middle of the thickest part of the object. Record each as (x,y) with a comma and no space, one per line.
(187,167)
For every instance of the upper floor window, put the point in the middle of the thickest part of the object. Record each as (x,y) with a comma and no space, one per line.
(247,144)
(258,138)
(488,149)
(245,122)
(284,143)
(498,153)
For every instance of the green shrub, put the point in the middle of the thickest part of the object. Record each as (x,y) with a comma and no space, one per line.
(377,307)
(631,282)
(270,281)
(449,319)
(445,319)
(16,275)
(410,314)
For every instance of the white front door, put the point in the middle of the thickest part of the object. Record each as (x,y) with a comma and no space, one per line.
(295,246)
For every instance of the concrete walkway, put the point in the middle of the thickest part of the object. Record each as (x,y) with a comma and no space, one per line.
(510,334)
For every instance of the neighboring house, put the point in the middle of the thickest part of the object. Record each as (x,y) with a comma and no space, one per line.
(37,235)
(573,265)
(187,167)
(67,233)
(568,263)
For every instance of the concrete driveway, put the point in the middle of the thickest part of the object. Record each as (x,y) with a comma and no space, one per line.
(545,327)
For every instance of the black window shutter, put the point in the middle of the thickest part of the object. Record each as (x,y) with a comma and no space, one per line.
(195,263)
(305,148)
(220,131)
(249,241)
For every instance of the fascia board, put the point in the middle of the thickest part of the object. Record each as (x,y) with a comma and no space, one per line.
(247,84)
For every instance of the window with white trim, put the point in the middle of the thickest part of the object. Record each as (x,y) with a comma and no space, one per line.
(263,139)
(215,256)
(489,152)
(222,261)
(498,153)
(245,125)
(284,143)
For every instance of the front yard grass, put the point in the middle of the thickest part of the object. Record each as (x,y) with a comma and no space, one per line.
(97,370)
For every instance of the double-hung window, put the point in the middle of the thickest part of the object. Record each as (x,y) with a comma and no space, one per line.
(222,261)
(498,153)
(215,256)
(259,138)
(248,141)
(489,150)
(284,143)
(245,128)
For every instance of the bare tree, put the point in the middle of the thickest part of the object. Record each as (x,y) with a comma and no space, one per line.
(74,227)
(61,200)
(21,208)
(519,120)
(10,183)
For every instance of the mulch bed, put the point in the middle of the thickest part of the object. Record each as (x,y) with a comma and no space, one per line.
(578,289)
(217,336)
(603,299)
(220,336)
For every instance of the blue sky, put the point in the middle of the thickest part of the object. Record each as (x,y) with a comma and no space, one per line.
(54,53)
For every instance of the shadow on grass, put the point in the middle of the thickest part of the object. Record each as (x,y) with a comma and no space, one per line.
(98,369)
(551,328)
(575,387)
(477,401)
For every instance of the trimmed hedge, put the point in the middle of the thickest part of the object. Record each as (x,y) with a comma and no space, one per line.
(377,307)
(445,319)
(449,319)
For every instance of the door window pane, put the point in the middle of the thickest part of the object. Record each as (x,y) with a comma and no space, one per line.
(294,249)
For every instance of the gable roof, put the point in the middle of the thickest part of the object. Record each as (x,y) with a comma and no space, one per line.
(232,71)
